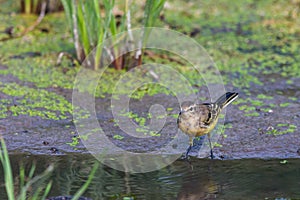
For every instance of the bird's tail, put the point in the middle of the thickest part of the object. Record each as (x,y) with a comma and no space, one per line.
(226,99)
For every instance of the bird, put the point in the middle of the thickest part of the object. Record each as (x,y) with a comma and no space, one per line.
(200,119)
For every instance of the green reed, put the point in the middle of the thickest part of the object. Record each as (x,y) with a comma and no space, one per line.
(91,22)
(30,6)
(26,182)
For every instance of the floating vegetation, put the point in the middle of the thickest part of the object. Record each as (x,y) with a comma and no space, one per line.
(282,129)
(33,102)
(118,137)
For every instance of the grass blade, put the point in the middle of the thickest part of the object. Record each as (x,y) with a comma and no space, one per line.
(8,176)
(35,179)
(87,183)
(27,6)
(47,190)
(68,12)
(82,24)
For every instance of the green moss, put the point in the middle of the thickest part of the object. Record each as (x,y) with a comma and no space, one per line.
(250,111)
(33,102)
(170,109)
(283,129)
(75,141)
(263,96)
(281,125)
(272,105)
(289,82)
(118,137)
(279,92)
(175,116)
(154,134)
(257,103)
(267,109)
(41,72)
(246,108)
(293,98)
(239,101)
(286,104)
(229,125)
(237,36)
(218,145)
(252,114)
(292,126)
(141,121)
(273,132)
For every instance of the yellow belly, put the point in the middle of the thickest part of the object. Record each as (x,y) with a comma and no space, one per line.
(195,129)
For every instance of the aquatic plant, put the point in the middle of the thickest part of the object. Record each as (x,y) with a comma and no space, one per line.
(40,193)
(26,182)
(90,29)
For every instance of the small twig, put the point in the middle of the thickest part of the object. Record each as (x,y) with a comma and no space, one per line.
(69,56)
(38,21)
(110,54)
(154,75)
(139,50)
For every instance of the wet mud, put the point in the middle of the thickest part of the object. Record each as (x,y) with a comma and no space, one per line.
(244,136)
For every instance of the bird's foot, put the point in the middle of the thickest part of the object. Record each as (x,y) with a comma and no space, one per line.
(212,155)
(185,156)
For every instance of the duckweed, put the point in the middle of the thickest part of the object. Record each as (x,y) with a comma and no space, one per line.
(33,102)
(293,98)
(286,104)
(253,114)
(263,96)
(282,128)
(75,141)
(118,137)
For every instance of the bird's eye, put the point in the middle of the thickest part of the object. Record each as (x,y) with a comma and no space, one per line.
(191,109)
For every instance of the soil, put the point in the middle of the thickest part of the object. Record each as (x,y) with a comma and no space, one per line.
(247,137)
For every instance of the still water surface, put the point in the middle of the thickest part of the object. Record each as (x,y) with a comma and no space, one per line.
(200,179)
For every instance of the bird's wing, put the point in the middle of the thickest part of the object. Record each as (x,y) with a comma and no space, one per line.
(208,113)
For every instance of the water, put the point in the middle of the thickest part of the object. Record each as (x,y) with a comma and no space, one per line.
(200,179)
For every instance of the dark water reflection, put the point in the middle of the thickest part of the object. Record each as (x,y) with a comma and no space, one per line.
(202,179)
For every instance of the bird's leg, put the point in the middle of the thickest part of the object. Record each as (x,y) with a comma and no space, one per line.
(187,151)
(211,151)
(190,147)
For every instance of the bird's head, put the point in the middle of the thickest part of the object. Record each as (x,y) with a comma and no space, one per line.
(187,107)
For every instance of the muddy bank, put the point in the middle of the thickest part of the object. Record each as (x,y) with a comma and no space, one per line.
(270,133)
